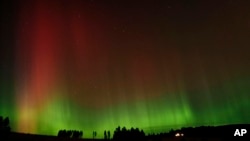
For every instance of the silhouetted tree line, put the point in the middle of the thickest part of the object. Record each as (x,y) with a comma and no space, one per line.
(70,134)
(202,132)
(160,136)
(4,125)
(125,135)
(185,132)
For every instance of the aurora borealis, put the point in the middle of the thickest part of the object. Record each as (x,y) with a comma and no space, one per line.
(93,65)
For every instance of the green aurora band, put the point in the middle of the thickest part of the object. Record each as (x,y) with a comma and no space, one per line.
(156,115)
(71,66)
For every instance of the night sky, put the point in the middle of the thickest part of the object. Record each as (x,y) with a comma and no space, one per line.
(93,65)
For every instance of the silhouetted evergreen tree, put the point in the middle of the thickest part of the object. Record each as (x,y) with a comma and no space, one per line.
(4,126)
(81,134)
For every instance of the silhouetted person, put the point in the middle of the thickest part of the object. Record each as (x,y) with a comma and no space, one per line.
(94,134)
(105,135)
(108,134)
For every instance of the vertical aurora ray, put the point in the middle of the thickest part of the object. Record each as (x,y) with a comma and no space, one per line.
(92,67)
(38,50)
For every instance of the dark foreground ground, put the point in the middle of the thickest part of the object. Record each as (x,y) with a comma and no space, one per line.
(237,132)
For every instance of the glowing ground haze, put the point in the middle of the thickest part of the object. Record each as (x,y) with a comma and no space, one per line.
(94,65)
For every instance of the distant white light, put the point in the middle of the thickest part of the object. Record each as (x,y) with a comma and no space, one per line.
(177,134)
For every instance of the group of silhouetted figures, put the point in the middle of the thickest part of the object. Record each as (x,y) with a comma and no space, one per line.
(94,134)
(107,135)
